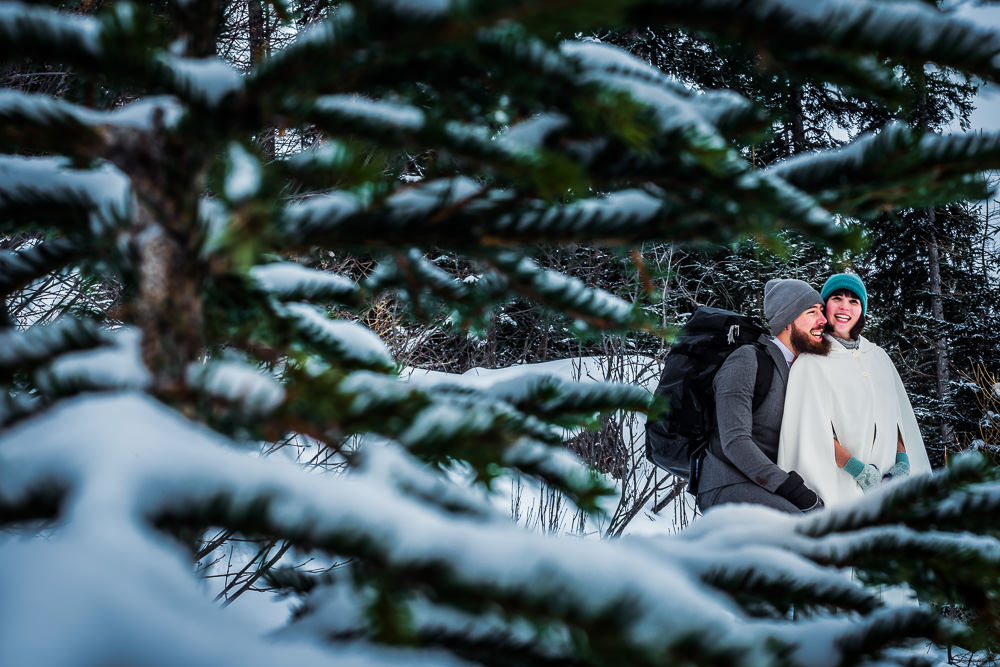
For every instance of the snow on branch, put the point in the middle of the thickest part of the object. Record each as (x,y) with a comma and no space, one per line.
(319,214)
(531,134)
(357,109)
(239,383)
(157,469)
(28,186)
(47,32)
(115,366)
(618,214)
(907,30)
(341,342)
(330,40)
(41,344)
(923,502)
(668,99)
(289,281)
(207,81)
(730,113)
(386,459)
(540,392)
(594,307)
(419,282)
(881,161)
(410,214)
(23,109)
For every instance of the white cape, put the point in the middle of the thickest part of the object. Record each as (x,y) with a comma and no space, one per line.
(858,394)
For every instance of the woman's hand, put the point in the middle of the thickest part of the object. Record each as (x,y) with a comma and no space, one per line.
(866,475)
(900,469)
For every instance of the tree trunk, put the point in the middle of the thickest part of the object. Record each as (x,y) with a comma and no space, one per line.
(921,119)
(941,342)
(798,132)
(258,50)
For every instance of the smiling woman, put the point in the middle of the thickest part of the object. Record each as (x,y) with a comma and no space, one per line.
(845,315)
(847,417)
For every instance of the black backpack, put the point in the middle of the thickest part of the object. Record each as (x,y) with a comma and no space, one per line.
(677,437)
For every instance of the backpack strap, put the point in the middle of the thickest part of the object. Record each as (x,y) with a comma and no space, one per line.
(761,386)
(765,375)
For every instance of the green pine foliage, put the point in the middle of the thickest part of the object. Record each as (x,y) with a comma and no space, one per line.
(126,436)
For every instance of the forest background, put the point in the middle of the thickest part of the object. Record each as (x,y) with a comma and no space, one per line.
(495,198)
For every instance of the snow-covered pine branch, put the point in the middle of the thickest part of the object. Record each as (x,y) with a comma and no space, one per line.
(289,281)
(797,35)
(862,178)
(153,488)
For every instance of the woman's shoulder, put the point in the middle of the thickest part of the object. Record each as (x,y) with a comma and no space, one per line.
(871,348)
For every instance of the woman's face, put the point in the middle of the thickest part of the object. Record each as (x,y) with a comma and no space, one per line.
(843,312)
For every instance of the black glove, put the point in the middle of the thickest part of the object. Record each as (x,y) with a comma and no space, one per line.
(795,491)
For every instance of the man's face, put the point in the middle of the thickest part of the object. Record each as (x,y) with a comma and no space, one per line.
(807,332)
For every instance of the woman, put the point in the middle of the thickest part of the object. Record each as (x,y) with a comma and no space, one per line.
(848,423)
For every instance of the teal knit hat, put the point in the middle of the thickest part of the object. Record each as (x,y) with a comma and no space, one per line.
(846,281)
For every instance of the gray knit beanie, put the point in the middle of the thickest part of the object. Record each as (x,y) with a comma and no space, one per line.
(785,299)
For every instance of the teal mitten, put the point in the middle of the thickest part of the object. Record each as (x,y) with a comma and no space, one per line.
(900,469)
(865,474)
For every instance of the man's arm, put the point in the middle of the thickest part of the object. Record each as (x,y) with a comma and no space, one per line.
(734,415)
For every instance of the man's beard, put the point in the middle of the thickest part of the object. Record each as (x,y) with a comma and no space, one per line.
(802,342)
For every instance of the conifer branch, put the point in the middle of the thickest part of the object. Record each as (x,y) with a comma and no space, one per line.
(914,502)
(39,123)
(891,627)
(47,35)
(47,193)
(755,588)
(18,268)
(22,351)
(288,281)
(867,177)
(595,307)
(904,31)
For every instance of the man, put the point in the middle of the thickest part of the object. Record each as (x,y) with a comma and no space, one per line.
(739,466)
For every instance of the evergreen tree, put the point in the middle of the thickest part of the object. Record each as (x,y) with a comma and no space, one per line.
(127,430)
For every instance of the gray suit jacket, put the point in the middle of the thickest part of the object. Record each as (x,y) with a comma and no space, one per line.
(745,446)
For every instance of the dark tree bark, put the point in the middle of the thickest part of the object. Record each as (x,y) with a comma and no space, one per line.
(798,132)
(921,119)
(256,25)
(941,359)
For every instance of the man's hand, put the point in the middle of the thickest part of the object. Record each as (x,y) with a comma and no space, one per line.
(866,475)
(795,491)
(900,469)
